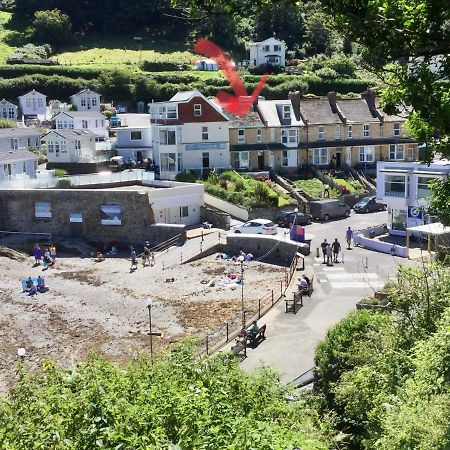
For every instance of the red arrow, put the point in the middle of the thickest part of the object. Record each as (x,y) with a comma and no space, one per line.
(241,102)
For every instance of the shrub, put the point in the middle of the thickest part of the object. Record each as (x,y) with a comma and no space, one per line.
(265,68)
(223,184)
(60,172)
(63,183)
(8,123)
(186,177)
(239,185)
(163,66)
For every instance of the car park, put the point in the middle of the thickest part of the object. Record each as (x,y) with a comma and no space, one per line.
(369,204)
(291,217)
(257,226)
(328,209)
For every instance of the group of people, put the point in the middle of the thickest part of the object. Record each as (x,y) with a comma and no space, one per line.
(32,289)
(48,256)
(148,257)
(330,252)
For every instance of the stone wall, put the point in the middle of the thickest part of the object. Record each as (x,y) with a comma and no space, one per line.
(79,168)
(218,218)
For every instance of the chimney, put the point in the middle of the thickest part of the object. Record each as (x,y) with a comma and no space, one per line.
(294,97)
(332,99)
(369,97)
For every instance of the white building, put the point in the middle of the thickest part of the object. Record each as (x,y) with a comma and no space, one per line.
(189,132)
(86,100)
(82,120)
(8,110)
(404,187)
(134,143)
(33,103)
(271,51)
(70,146)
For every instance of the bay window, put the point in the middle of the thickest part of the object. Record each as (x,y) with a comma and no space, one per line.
(167,137)
(366,154)
(321,156)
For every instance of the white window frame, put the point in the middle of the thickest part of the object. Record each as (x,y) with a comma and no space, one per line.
(277,48)
(136,132)
(366,154)
(350,131)
(94,101)
(337,132)
(172,112)
(84,124)
(321,133)
(266,48)
(397,129)
(63,146)
(14,144)
(205,134)
(184,211)
(244,160)
(366,130)
(165,132)
(172,162)
(241,135)
(259,135)
(83,102)
(286,112)
(197,110)
(321,156)
(284,158)
(396,152)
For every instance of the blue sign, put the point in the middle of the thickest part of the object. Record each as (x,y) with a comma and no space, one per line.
(206,146)
(415,212)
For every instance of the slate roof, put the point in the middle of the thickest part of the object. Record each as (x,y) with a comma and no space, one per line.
(71,134)
(356,111)
(251,119)
(18,132)
(318,111)
(83,91)
(17,155)
(74,114)
(272,113)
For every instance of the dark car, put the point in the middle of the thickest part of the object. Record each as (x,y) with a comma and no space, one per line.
(369,204)
(289,218)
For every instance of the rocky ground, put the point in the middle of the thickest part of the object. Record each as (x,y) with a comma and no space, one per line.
(101,307)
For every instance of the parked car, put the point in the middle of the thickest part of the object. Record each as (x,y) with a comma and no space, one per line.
(369,204)
(328,209)
(257,226)
(289,218)
(117,164)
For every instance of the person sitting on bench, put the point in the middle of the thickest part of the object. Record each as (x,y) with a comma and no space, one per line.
(253,331)
(303,284)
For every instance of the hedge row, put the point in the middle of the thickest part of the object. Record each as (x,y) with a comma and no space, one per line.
(19,70)
(163,66)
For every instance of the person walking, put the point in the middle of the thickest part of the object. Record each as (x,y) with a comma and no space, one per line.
(152,259)
(329,254)
(37,252)
(323,246)
(146,254)
(133,259)
(348,237)
(336,247)
(53,254)
(47,258)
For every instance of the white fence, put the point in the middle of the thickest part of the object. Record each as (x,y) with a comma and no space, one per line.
(232,210)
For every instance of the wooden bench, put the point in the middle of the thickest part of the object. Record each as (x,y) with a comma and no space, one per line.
(253,339)
(294,304)
(310,289)
(240,348)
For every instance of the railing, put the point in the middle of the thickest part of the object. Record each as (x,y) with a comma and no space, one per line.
(163,246)
(17,237)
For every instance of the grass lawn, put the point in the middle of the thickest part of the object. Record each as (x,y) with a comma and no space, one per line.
(315,188)
(5,49)
(352,189)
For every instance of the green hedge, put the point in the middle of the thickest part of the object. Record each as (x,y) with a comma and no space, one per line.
(19,70)
(163,66)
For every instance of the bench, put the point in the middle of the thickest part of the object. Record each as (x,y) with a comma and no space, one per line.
(310,289)
(253,339)
(240,349)
(292,305)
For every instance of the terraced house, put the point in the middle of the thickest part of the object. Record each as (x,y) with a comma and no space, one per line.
(286,135)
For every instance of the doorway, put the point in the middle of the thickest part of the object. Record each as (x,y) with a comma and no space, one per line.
(205,160)
(261,160)
(338,160)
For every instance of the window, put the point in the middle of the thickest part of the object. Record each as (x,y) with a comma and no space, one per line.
(136,135)
(350,131)
(111,215)
(78,145)
(366,154)
(366,130)
(289,136)
(96,123)
(396,151)
(84,124)
(11,113)
(337,132)
(28,102)
(286,112)
(205,160)
(396,129)
(244,160)
(259,135)
(63,146)
(50,147)
(277,48)
(321,156)
(14,144)
(83,102)
(204,133)
(397,219)
(321,133)
(284,158)
(241,136)
(167,137)
(184,211)
(197,110)
(266,48)
(395,186)
(76,217)
(94,101)
(29,142)
(169,162)
(423,189)
(42,210)
(24,167)
(71,127)
(172,112)
(410,154)
(40,102)
(56,144)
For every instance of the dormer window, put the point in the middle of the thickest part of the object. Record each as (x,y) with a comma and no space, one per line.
(321,136)
(366,130)
(396,129)
(286,112)
(197,110)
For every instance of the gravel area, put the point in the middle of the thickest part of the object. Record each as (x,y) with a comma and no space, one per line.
(101,307)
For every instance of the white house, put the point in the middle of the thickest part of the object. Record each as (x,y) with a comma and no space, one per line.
(33,103)
(189,132)
(82,120)
(271,51)
(404,187)
(56,106)
(8,110)
(70,146)
(86,100)
(134,143)
(15,157)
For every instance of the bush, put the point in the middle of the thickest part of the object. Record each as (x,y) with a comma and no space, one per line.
(239,185)
(60,172)
(223,184)
(52,26)
(163,66)
(186,177)
(265,68)
(63,183)
(8,123)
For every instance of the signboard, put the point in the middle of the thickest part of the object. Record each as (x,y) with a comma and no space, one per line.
(42,210)
(206,146)
(415,212)
(297,233)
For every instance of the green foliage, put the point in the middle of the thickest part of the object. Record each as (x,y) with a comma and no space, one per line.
(163,66)
(52,26)
(30,52)
(440,201)
(187,177)
(8,123)
(60,172)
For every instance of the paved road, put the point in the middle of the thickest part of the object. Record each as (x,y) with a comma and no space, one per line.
(292,338)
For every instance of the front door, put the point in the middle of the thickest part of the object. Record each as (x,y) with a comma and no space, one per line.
(205,160)
(271,159)
(260,160)
(348,156)
(338,160)
(76,223)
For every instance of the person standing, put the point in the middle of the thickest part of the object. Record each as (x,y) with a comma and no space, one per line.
(37,252)
(47,258)
(53,254)
(348,237)
(152,259)
(133,259)
(146,254)
(336,247)
(329,254)
(323,246)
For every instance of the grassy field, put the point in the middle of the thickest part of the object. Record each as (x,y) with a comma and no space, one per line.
(5,49)
(315,188)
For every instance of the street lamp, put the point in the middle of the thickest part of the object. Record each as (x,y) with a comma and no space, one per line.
(242,295)
(149,306)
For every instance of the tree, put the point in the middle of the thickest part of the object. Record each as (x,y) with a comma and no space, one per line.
(8,123)
(52,27)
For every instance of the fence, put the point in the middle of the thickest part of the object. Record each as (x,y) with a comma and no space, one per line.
(254,309)
(16,237)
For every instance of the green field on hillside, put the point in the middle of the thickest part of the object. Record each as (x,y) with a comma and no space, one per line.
(5,49)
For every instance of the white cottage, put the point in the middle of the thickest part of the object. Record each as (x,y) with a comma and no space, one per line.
(70,146)
(82,120)
(135,142)
(8,110)
(86,100)
(33,103)
(271,51)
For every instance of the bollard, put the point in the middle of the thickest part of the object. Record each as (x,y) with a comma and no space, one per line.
(202,234)
(259,308)
(281,286)
(342,257)
(317,252)
(228,332)
(367,262)
(181,257)
(207,345)
(272,297)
